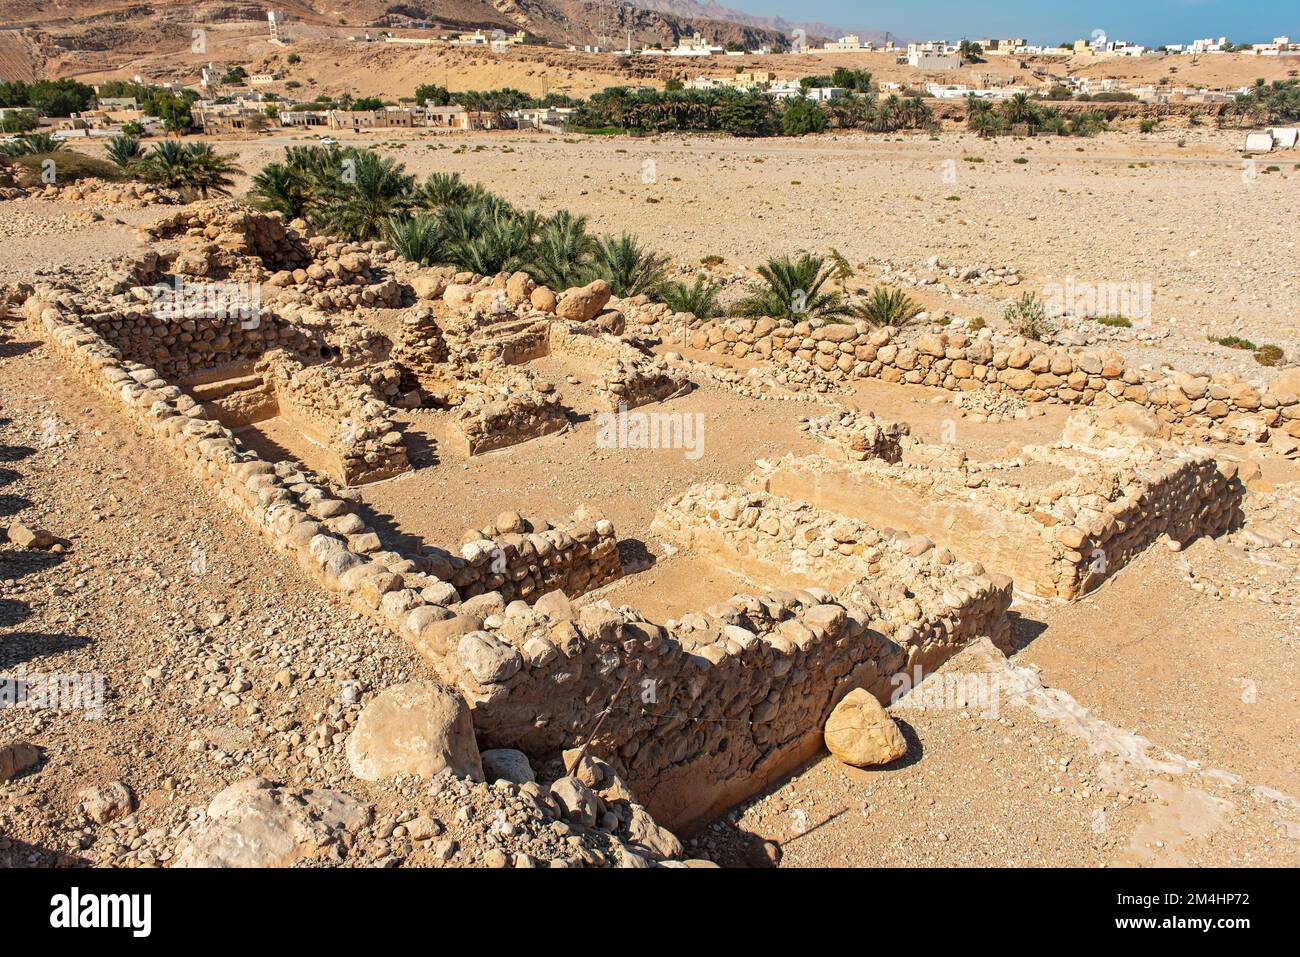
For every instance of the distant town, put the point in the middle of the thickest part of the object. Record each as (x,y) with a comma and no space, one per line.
(228,100)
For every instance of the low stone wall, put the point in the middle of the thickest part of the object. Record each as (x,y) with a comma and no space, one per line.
(1220,407)
(341,414)
(177,347)
(641,381)
(497,416)
(706,711)
(1057,540)
(306,517)
(856,436)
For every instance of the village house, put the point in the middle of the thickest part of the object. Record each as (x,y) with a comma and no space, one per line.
(375,119)
(933,61)
(304,117)
(849,43)
(221,118)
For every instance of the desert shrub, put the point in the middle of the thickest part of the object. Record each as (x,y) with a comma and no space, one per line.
(1120,322)
(1234,342)
(69,166)
(1028,317)
(1269,355)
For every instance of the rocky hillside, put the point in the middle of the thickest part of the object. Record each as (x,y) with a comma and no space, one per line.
(116,25)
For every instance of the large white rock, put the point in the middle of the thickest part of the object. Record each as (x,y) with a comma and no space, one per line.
(253,823)
(419,728)
(507,764)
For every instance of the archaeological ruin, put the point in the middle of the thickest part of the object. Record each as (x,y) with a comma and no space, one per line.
(875,554)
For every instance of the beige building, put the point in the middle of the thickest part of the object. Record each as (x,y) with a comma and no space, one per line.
(374,119)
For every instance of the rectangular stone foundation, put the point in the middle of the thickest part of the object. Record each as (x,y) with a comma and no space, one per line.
(1057,537)
(708,709)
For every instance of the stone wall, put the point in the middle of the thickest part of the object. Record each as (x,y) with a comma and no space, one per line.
(303,515)
(1221,407)
(856,436)
(495,416)
(711,709)
(341,413)
(705,710)
(178,347)
(1057,536)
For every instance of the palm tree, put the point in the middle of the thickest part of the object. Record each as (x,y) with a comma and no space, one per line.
(889,113)
(209,171)
(500,246)
(1019,109)
(980,117)
(629,269)
(33,144)
(279,188)
(444,189)
(123,150)
(367,190)
(887,307)
(699,299)
(416,238)
(562,253)
(792,289)
(166,164)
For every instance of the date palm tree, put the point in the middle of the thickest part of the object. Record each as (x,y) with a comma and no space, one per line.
(123,150)
(700,298)
(792,289)
(208,171)
(629,268)
(368,189)
(887,307)
(563,251)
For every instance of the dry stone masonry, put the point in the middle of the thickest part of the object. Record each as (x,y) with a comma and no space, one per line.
(1220,407)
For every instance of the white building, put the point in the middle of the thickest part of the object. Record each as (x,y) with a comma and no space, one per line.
(848,43)
(933,61)
(276,20)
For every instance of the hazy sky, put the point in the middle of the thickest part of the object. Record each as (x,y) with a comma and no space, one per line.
(1149,22)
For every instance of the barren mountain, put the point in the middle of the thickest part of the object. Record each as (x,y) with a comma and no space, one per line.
(51,32)
(691,9)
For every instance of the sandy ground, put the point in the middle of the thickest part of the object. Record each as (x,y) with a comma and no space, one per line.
(1213,242)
